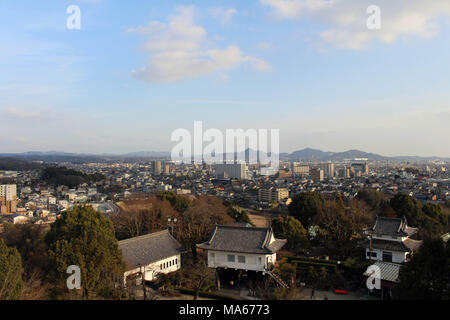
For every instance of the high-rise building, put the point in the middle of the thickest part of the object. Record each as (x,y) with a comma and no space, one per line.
(156,167)
(361,167)
(8,199)
(231,170)
(317,175)
(329,170)
(166,170)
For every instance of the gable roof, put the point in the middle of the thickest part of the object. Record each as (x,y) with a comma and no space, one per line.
(150,248)
(243,239)
(392,227)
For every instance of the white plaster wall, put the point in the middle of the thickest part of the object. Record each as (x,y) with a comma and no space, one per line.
(253,262)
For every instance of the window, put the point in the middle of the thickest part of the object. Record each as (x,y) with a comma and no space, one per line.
(241,259)
(230,258)
(212,255)
(176,261)
(387,256)
(160,266)
(259,260)
(374,254)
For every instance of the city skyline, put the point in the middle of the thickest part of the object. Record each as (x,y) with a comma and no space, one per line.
(309,68)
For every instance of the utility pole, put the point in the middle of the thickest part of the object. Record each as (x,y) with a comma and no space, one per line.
(171,222)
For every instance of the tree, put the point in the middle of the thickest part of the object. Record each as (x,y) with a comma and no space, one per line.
(291,229)
(406,206)
(143,217)
(305,206)
(238,214)
(435,212)
(11,283)
(341,228)
(427,275)
(179,202)
(373,198)
(29,240)
(199,219)
(84,237)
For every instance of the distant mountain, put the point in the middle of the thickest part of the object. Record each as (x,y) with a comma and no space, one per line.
(352,154)
(309,154)
(154,154)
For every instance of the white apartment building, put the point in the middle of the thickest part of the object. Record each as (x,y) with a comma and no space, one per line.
(231,171)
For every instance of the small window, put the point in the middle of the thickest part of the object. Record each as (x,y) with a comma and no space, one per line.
(374,254)
(230,258)
(259,260)
(241,259)
(160,266)
(387,256)
(176,261)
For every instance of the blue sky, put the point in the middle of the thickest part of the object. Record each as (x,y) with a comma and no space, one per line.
(138,70)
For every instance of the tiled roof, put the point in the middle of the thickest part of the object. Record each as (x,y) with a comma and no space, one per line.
(146,249)
(392,227)
(242,239)
(388,271)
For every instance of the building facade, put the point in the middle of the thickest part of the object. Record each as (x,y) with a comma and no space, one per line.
(272,194)
(242,248)
(149,255)
(231,171)
(8,199)
(389,246)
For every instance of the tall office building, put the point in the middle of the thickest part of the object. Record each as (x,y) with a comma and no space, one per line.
(329,170)
(166,170)
(231,171)
(366,168)
(8,199)
(317,175)
(156,167)
(361,168)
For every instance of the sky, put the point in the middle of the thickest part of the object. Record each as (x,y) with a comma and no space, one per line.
(135,71)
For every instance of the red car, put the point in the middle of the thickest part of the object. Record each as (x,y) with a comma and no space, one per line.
(340,291)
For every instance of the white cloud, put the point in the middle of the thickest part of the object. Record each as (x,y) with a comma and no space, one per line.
(344,21)
(224,15)
(178,50)
(21,114)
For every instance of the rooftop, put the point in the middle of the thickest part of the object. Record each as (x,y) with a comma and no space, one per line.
(143,250)
(243,239)
(392,227)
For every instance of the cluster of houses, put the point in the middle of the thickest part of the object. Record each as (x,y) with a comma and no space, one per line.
(247,249)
